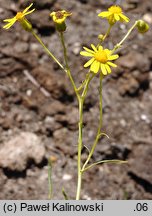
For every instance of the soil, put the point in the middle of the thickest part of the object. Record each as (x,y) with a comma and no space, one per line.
(40,121)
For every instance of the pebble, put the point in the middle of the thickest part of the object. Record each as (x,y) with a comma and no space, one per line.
(67,177)
(29,92)
(76,48)
(145,118)
(16,153)
(123,123)
(34,47)
(86,197)
(148,18)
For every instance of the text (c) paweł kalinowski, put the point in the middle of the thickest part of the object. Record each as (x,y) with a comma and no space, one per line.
(56,206)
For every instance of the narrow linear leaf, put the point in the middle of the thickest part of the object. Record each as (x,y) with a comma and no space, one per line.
(87,148)
(103,134)
(105,161)
(50,195)
(64,194)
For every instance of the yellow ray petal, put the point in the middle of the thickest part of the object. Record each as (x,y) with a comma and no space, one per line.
(9,20)
(100,48)
(89,62)
(108,68)
(108,52)
(104,14)
(111,64)
(26,9)
(95,66)
(116,16)
(103,69)
(7,26)
(29,12)
(84,53)
(113,57)
(124,17)
(94,48)
(88,50)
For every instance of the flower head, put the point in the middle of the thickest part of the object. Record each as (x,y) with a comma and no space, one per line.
(20,16)
(59,18)
(114,14)
(100,59)
(142,26)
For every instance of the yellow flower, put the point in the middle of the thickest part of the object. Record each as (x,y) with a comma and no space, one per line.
(100,59)
(114,14)
(60,16)
(20,16)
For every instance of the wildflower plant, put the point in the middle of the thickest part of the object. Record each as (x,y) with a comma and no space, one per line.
(100,61)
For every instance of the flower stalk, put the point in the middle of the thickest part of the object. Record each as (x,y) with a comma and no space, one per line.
(48,51)
(98,135)
(117,46)
(67,64)
(80,141)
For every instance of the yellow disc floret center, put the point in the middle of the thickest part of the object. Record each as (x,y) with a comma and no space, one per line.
(115,9)
(101,56)
(19,16)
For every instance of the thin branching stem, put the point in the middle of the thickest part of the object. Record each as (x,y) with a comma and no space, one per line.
(98,135)
(67,64)
(80,138)
(47,50)
(117,46)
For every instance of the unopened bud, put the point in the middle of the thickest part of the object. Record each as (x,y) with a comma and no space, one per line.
(142,26)
(100,37)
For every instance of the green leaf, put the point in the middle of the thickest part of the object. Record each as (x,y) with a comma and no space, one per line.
(64,194)
(50,179)
(105,161)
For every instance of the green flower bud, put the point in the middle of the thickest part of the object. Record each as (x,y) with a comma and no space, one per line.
(100,37)
(142,26)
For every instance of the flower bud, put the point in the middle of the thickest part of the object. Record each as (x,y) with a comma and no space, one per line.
(100,37)
(142,26)
(26,25)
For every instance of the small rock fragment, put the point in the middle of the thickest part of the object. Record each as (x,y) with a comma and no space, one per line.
(16,154)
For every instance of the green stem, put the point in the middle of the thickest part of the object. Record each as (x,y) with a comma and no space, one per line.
(99,127)
(79,148)
(80,144)
(50,179)
(107,33)
(67,65)
(47,50)
(121,42)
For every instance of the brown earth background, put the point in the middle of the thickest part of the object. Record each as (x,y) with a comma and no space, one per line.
(40,120)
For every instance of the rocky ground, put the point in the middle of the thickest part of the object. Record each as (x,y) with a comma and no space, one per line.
(38,118)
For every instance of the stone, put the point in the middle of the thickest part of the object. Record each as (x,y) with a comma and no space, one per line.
(53,82)
(134,60)
(39,4)
(23,148)
(53,107)
(148,18)
(140,162)
(41,21)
